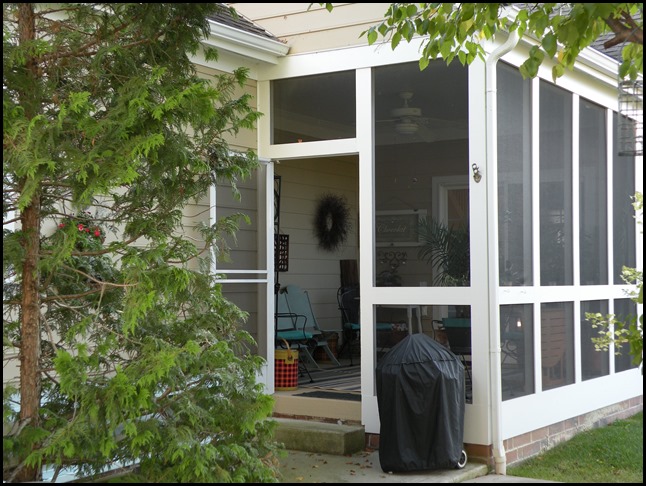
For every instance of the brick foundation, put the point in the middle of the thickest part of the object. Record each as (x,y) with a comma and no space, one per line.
(533,443)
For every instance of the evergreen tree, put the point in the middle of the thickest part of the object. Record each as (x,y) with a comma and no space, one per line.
(128,351)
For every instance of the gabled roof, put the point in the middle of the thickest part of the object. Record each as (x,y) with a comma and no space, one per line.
(234,33)
(229,17)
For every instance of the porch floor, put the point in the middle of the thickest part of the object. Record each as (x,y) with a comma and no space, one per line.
(333,395)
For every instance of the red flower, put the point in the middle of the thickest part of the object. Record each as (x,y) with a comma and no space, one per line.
(85,225)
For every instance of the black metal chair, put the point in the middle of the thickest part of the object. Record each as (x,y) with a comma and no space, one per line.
(348,300)
(458,332)
(349,304)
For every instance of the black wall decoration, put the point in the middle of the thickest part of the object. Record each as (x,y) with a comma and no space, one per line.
(331,222)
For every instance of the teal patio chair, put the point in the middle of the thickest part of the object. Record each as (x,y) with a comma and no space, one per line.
(299,304)
(290,329)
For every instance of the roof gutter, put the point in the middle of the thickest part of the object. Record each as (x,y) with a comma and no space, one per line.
(491,87)
(245,43)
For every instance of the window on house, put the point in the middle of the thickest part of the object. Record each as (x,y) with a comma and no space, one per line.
(593,196)
(623,181)
(421,175)
(555,185)
(625,309)
(557,344)
(514,178)
(395,322)
(311,108)
(593,363)
(517,346)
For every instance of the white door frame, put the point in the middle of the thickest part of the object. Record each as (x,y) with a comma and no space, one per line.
(477,427)
(362,59)
(260,276)
(440,187)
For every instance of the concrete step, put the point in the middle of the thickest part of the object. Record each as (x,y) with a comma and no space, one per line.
(325,438)
(291,405)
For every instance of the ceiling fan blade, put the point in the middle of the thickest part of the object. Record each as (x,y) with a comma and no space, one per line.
(426,134)
(410,126)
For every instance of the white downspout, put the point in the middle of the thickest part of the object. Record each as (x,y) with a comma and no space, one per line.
(491,87)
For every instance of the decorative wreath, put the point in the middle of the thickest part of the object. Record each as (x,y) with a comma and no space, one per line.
(331,222)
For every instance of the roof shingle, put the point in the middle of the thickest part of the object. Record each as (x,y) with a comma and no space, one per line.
(229,17)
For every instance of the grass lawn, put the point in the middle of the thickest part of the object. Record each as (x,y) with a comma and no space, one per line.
(611,454)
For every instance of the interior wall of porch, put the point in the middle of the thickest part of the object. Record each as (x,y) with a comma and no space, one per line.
(315,270)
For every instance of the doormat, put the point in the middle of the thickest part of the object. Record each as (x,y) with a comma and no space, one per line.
(345,378)
(355,397)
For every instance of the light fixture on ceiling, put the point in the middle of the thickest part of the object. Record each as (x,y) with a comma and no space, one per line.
(406,127)
(406,114)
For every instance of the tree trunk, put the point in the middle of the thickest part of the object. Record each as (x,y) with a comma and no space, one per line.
(30,328)
(30,305)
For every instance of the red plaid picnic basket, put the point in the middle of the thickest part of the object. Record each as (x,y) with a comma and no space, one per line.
(286,369)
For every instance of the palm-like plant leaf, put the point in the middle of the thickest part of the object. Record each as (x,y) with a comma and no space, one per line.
(447,250)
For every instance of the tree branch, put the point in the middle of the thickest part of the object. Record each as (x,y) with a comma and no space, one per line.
(623,33)
(100,282)
(55,298)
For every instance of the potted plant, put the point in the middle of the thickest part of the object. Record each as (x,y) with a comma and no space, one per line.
(446,249)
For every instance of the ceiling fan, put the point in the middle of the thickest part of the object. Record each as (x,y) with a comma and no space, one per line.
(407,120)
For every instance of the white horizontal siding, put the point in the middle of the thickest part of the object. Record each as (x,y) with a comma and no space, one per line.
(317,271)
(306,27)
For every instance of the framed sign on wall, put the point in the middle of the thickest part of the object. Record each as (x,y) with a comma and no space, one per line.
(398,227)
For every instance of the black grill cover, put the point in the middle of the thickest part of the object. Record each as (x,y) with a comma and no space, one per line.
(420,394)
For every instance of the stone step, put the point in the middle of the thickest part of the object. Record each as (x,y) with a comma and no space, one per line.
(291,405)
(325,438)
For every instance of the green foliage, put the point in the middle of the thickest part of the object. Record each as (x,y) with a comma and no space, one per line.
(446,249)
(631,330)
(561,31)
(108,127)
